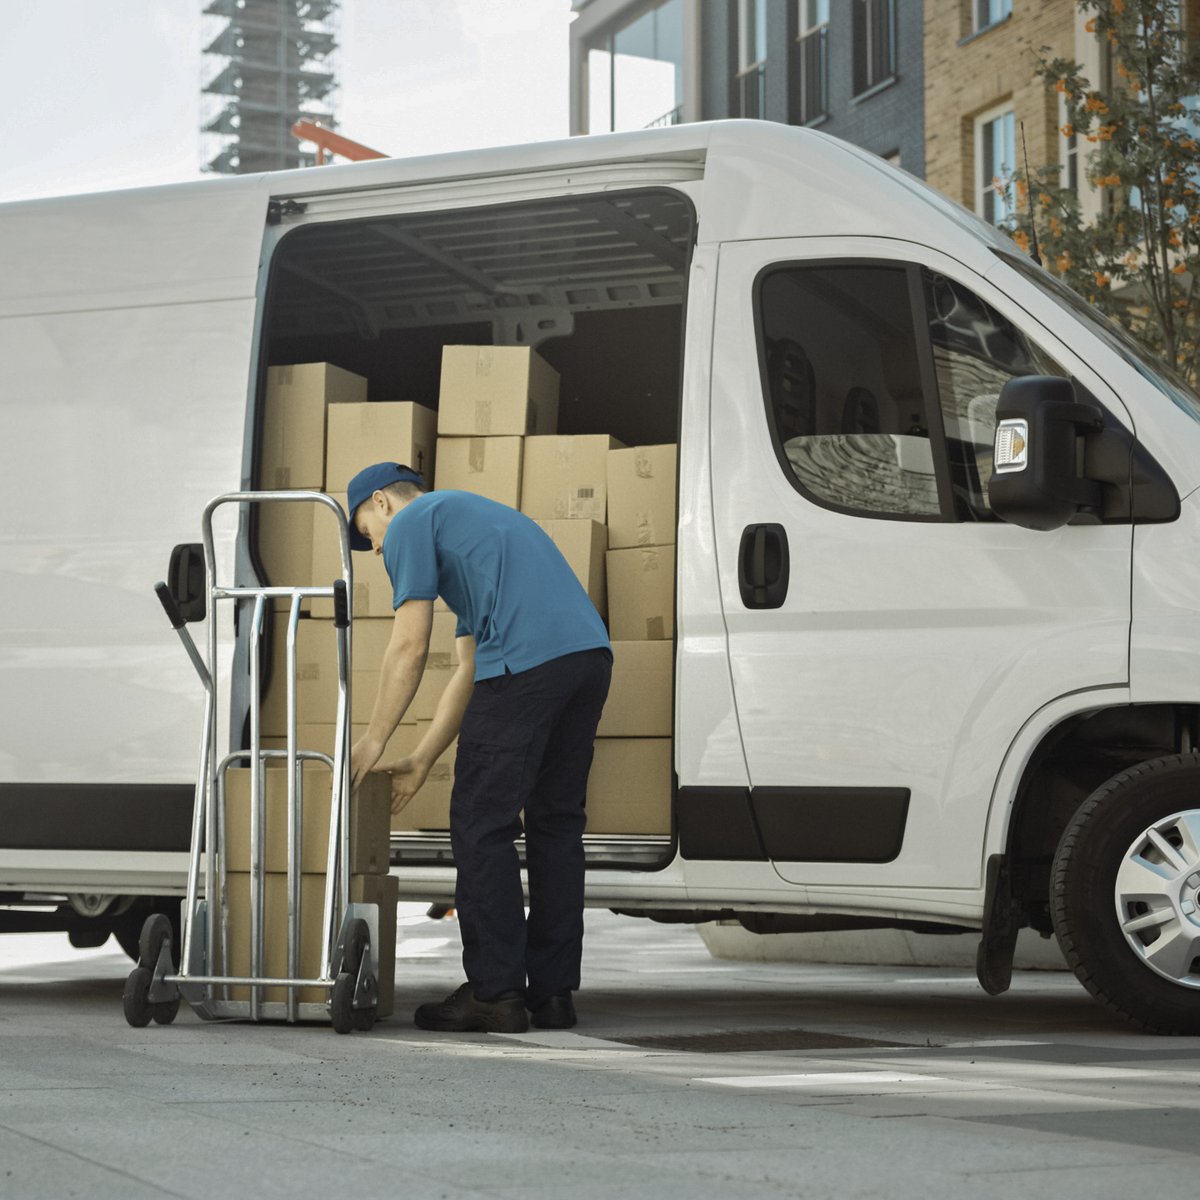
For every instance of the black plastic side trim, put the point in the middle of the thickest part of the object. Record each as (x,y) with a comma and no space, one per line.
(93,816)
(717,823)
(813,824)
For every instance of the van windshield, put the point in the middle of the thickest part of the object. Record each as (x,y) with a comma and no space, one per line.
(1148,365)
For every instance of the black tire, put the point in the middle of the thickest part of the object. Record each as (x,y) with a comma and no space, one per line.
(136,998)
(165,1011)
(364,1018)
(156,932)
(1099,843)
(341,1003)
(354,946)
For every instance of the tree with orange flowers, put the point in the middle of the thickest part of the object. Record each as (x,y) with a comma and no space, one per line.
(1139,261)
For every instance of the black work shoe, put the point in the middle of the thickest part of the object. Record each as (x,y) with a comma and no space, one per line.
(556,1013)
(461,1012)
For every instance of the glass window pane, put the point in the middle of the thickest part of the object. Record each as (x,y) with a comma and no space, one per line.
(844,388)
(975,352)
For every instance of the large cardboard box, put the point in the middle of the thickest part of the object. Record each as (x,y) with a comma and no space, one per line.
(429,809)
(372,587)
(639,700)
(566,478)
(285,544)
(370,814)
(629,788)
(293,426)
(488,466)
(434,681)
(382,890)
(443,641)
(490,391)
(641,593)
(381,431)
(582,544)
(320,737)
(641,496)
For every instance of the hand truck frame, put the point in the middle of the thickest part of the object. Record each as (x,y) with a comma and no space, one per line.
(350,932)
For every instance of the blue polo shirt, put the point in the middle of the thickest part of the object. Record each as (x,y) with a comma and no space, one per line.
(499,572)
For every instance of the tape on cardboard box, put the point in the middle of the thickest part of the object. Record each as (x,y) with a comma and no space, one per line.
(488,467)
(492,391)
(641,496)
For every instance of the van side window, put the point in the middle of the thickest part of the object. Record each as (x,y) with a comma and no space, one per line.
(975,353)
(881,377)
(844,387)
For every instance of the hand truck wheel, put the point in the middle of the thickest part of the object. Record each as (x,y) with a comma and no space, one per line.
(354,945)
(364,1018)
(165,1011)
(156,932)
(136,997)
(341,1003)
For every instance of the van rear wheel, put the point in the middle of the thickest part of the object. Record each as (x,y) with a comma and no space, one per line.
(1125,894)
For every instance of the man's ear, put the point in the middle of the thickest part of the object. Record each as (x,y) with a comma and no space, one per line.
(382,501)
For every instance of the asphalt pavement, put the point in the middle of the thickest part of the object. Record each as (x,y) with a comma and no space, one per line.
(686,1077)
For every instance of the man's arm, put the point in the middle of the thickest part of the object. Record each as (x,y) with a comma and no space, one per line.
(399,678)
(410,773)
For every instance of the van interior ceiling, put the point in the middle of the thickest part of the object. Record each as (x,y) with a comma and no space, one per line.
(596,284)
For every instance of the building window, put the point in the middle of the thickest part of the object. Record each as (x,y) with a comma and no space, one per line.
(995,164)
(752,58)
(810,68)
(874,43)
(1068,151)
(635,71)
(989,12)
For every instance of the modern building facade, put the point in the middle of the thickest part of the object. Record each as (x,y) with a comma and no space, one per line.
(272,67)
(852,68)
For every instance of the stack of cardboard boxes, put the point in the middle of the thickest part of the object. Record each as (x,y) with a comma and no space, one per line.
(610,509)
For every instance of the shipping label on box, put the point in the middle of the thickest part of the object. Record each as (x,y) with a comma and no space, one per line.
(370,809)
(566,478)
(492,391)
(293,425)
(488,467)
(641,496)
(582,544)
(380,431)
(639,699)
(372,592)
(629,787)
(641,593)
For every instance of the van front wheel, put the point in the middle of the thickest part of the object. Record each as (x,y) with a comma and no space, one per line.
(1125,894)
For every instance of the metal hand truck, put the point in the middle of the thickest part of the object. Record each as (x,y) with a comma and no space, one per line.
(350,932)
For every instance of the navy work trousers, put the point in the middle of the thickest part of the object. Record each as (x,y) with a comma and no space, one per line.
(525,744)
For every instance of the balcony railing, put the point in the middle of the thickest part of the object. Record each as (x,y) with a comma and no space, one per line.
(668,118)
(752,92)
(810,77)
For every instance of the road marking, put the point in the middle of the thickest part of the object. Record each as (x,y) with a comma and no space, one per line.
(852,1079)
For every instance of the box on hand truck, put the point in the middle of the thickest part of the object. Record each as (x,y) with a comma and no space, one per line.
(350,932)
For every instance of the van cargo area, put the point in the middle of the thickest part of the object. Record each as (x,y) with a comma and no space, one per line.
(595,286)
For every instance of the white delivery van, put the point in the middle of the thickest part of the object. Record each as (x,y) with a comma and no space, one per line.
(937,611)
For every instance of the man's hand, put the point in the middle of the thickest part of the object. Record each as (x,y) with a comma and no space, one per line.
(364,754)
(408,774)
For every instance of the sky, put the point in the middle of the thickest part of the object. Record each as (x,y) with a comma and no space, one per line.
(98,94)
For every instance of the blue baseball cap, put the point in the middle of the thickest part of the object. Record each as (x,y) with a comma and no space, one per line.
(366,483)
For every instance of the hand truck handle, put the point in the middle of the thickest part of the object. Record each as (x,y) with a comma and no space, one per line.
(341,607)
(169,605)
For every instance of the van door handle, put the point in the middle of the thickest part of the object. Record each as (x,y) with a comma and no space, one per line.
(763,566)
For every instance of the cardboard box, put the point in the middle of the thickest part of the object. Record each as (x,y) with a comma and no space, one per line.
(639,700)
(641,496)
(629,788)
(382,890)
(372,587)
(433,683)
(641,593)
(443,642)
(492,391)
(566,478)
(293,426)
(320,737)
(285,544)
(486,466)
(317,673)
(381,431)
(582,544)
(430,807)
(370,813)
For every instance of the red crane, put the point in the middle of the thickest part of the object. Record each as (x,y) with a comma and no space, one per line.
(333,143)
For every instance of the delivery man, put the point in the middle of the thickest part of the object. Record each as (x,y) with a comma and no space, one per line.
(535,664)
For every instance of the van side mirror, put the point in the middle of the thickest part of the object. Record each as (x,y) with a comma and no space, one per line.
(187,582)
(1037,470)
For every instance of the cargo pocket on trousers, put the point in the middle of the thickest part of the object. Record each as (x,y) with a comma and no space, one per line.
(493,762)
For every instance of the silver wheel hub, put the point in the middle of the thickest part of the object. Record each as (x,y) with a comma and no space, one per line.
(1157,897)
